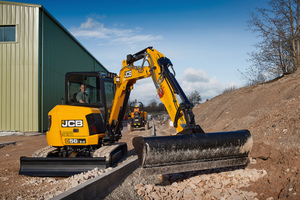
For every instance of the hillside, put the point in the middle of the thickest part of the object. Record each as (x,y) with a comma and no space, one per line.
(271,112)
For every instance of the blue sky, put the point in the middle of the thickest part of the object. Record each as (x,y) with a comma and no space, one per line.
(206,40)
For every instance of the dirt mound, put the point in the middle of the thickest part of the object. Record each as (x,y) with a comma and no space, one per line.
(271,112)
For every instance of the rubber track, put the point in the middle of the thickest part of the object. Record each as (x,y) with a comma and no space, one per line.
(43,153)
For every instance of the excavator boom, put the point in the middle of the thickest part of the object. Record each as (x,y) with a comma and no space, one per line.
(166,86)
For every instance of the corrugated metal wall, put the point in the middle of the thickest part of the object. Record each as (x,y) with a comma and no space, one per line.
(19,69)
(61,54)
(33,68)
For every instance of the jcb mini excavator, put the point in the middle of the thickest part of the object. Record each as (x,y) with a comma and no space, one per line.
(84,135)
(137,116)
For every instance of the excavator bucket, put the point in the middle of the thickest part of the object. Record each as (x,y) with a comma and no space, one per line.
(182,153)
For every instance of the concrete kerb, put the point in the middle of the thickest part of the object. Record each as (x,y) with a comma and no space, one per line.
(7,143)
(18,133)
(97,188)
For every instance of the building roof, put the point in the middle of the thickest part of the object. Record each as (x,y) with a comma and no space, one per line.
(20,4)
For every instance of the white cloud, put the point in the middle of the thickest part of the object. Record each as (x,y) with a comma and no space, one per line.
(92,29)
(193,75)
(136,39)
(209,88)
(90,23)
(144,91)
(191,80)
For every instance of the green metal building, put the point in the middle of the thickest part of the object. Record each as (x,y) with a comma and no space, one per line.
(36,51)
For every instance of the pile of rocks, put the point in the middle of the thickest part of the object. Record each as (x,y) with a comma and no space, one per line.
(59,186)
(217,185)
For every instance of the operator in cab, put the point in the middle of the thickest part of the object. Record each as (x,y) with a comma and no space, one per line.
(82,96)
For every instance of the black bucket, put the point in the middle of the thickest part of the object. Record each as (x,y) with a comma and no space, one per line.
(194,148)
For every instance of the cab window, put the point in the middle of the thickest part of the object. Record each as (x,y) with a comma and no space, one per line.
(83,89)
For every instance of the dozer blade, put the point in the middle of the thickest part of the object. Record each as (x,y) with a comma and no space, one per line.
(104,157)
(182,153)
(31,166)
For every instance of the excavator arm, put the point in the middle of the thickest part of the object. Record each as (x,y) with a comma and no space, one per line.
(191,149)
(156,66)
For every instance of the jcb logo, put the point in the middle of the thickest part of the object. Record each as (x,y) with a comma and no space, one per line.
(128,74)
(71,123)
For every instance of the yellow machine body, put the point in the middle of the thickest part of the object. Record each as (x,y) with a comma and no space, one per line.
(69,126)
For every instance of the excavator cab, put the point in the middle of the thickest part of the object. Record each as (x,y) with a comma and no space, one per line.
(82,85)
(97,89)
(84,117)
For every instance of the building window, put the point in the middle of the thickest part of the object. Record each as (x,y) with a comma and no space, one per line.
(8,33)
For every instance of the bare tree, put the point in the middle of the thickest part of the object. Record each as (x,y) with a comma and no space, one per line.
(279,50)
(195,97)
(153,104)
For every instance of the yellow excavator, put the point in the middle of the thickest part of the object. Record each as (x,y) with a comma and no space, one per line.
(137,116)
(84,133)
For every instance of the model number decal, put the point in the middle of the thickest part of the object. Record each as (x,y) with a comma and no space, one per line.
(71,123)
(75,141)
(128,74)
